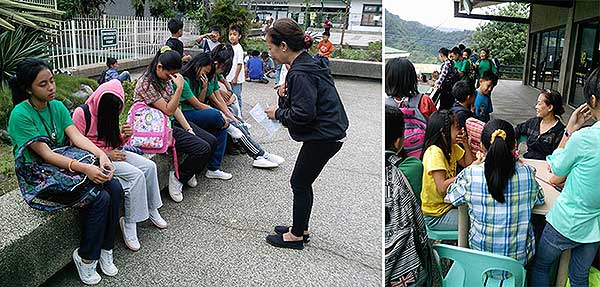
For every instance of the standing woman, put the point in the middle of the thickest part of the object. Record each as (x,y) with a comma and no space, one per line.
(484,64)
(37,113)
(311,109)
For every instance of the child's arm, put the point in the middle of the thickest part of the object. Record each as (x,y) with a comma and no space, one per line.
(237,73)
(441,183)
(182,121)
(463,139)
(170,107)
(197,104)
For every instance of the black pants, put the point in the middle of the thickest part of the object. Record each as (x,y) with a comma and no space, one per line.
(310,162)
(99,220)
(198,148)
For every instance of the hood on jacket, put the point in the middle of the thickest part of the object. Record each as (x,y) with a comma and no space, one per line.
(113,87)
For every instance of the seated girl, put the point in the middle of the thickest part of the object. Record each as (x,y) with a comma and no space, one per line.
(441,154)
(545,130)
(156,88)
(197,74)
(37,113)
(137,174)
(500,194)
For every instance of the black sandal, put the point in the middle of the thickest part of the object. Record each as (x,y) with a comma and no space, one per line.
(280,229)
(277,241)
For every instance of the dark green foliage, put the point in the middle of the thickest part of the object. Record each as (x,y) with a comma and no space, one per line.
(506,41)
(18,45)
(75,8)
(421,41)
(228,12)
(162,8)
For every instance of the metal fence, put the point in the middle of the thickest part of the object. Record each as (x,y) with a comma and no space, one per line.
(42,3)
(79,40)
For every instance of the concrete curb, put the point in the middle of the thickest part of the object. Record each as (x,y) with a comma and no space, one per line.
(34,245)
(339,67)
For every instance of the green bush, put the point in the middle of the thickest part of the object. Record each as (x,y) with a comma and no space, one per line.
(228,12)
(162,8)
(129,89)
(258,44)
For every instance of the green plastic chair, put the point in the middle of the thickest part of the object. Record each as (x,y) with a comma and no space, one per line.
(442,234)
(470,267)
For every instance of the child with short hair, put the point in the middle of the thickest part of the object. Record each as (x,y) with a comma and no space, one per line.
(176,28)
(483,101)
(210,40)
(441,154)
(235,76)
(113,73)
(324,49)
(255,69)
(269,68)
(464,93)
(500,194)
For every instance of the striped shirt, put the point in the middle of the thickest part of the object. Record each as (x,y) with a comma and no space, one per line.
(500,228)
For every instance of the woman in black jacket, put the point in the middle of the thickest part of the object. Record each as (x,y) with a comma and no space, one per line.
(311,109)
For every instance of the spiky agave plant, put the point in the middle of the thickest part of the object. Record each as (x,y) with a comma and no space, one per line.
(17,45)
(15,13)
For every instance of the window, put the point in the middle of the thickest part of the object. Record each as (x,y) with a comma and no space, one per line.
(587,58)
(371,15)
(546,58)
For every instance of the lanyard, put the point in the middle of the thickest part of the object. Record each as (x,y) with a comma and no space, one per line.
(52,134)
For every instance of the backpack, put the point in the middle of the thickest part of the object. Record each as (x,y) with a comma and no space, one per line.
(408,253)
(451,78)
(415,124)
(102,78)
(47,187)
(151,131)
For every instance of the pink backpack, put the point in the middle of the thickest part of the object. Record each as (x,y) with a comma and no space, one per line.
(151,131)
(415,123)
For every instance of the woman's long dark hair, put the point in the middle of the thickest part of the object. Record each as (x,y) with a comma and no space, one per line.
(109,109)
(499,160)
(592,86)
(400,78)
(223,54)
(438,132)
(190,70)
(24,76)
(169,59)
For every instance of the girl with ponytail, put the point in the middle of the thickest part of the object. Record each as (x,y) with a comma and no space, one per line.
(500,193)
(441,155)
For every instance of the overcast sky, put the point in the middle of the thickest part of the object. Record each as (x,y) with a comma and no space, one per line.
(432,13)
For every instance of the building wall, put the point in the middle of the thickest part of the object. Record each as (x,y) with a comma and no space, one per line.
(585,9)
(544,17)
(356,10)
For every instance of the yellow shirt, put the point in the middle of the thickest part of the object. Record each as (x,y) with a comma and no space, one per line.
(432,203)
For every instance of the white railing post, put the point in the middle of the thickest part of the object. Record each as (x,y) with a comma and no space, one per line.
(135,37)
(73,44)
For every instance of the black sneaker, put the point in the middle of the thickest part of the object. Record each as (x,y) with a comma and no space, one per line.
(277,241)
(280,229)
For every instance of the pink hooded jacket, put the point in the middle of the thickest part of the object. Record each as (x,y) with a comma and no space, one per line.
(113,87)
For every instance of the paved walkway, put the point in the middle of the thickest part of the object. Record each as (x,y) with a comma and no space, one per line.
(216,235)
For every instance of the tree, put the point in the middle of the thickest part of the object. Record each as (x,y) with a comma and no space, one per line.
(14,13)
(505,41)
(228,12)
(74,8)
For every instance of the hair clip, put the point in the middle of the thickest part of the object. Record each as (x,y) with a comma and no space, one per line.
(164,49)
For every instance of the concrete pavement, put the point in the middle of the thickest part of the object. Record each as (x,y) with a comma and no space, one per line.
(216,235)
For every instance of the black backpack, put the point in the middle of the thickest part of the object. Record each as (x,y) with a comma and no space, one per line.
(102,78)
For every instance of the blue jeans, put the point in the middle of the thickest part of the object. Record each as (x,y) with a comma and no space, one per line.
(448,221)
(551,246)
(124,76)
(237,90)
(321,59)
(211,120)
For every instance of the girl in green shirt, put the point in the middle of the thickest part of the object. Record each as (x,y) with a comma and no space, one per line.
(484,64)
(37,113)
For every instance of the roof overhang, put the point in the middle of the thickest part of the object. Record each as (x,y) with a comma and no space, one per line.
(464,8)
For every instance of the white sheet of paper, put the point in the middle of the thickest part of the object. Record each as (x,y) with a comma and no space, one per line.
(259,115)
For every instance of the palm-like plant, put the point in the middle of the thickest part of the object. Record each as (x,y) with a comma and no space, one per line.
(15,13)
(17,45)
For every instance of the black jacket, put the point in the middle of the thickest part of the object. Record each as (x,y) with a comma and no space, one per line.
(312,110)
(539,146)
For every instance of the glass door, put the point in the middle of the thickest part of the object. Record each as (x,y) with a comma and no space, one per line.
(587,58)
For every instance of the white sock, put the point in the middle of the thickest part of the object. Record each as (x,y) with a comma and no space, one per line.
(130,229)
(154,213)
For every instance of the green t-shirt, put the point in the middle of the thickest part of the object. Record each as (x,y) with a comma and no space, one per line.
(213,85)
(186,94)
(412,168)
(576,211)
(485,65)
(25,123)
(463,66)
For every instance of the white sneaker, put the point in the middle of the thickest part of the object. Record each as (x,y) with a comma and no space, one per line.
(129,236)
(274,158)
(175,187)
(87,272)
(262,162)
(218,174)
(247,125)
(192,182)
(234,132)
(157,220)
(106,263)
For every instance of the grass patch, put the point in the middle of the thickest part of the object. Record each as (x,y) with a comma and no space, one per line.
(8,180)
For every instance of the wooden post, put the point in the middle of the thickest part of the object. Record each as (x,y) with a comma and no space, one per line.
(345,21)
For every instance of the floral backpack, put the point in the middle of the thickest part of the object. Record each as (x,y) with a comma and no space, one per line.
(47,187)
(151,131)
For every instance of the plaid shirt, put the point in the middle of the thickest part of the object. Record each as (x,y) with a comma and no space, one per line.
(149,93)
(500,228)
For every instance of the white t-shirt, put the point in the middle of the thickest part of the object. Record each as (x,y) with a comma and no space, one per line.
(282,74)
(238,58)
